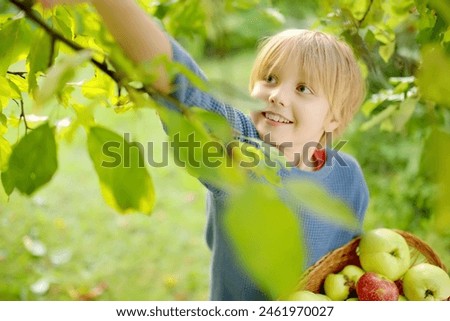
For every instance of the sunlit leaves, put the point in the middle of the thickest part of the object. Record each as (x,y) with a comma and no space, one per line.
(58,76)
(435,162)
(433,77)
(100,87)
(33,161)
(15,43)
(266,235)
(39,57)
(5,149)
(125,182)
(185,18)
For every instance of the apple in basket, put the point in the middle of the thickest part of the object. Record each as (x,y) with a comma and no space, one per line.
(338,286)
(375,287)
(385,252)
(426,282)
(305,295)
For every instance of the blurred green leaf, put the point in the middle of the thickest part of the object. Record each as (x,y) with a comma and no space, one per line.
(316,199)
(33,161)
(7,182)
(386,51)
(379,118)
(266,235)
(5,151)
(401,116)
(59,74)
(194,149)
(436,161)
(125,182)
(217,124)
(433,75)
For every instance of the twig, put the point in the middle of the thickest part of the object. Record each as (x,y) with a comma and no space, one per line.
(360,21)
(57,36)
(21,74)
(52,51)
(100,65)
(22,115)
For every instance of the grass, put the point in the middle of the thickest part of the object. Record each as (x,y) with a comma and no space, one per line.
(122,257)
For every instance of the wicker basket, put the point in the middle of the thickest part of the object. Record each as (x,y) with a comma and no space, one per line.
(336,260)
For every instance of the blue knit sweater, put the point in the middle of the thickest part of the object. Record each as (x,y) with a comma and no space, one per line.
(341,176)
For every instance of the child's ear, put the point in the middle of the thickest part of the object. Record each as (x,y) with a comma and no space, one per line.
(331,124)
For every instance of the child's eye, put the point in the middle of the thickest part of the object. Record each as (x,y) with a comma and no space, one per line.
(304,89)
(271,79)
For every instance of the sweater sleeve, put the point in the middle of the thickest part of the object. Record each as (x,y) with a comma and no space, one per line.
(189,95)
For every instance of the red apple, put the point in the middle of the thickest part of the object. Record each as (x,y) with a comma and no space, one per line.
(375,287)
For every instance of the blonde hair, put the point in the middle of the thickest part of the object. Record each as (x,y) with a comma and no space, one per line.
(323,61)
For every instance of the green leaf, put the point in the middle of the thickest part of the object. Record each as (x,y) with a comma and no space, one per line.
(59,74)
(197,151)
(404,113)
(5,90)
(33,160)
(215,122)
(7,182)
(5,152)
(433,75)
(378,118)
(318,200)
(267,238)
(18,85)
(125,182)
(14,45)
(39,57)
(436,161)
(387,50)
(99,87)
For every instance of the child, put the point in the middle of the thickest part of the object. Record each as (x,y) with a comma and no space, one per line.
(309,84)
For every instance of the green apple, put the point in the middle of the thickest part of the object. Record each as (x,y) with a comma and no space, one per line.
(352,299)
(305,295)
(402,298)
(352,273)
(426,282)
(336,287)
(385,252)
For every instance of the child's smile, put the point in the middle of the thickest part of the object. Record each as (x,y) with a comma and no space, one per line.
(296,114)
(276,119)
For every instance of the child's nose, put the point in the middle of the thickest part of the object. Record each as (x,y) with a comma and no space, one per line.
(278,97)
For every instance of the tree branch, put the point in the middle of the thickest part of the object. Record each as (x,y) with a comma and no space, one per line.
(22,115)
(120,80)
(57,36)
(360,21)
(21,74)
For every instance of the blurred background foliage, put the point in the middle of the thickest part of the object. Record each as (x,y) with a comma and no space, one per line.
(64,243)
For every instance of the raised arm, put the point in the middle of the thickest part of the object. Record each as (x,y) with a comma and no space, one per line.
(142,39)
(138,35)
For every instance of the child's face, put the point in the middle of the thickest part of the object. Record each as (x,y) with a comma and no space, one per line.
(295,112)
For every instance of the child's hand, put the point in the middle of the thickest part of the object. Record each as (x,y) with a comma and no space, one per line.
(52,3)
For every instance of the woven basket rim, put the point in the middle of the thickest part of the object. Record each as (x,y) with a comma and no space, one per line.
(313,278)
